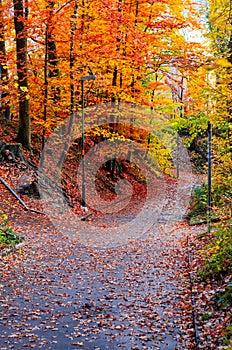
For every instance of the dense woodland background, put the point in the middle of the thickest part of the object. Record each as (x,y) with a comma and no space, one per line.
(175,57)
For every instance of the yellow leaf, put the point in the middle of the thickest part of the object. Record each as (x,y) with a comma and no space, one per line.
(222,62)
(24,88)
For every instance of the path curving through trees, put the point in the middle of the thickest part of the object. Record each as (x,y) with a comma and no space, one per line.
(58,294)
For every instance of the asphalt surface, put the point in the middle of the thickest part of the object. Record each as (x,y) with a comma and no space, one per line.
(59,294)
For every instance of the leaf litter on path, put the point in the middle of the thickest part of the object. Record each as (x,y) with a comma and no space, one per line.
(57,294)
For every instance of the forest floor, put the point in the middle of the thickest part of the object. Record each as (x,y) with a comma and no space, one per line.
(60,292)
(57,293)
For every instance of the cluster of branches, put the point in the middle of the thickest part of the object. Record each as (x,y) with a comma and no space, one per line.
(136,48)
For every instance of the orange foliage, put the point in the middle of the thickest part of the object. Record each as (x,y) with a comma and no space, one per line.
(131,46)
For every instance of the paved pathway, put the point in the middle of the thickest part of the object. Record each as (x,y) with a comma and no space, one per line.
(58,294)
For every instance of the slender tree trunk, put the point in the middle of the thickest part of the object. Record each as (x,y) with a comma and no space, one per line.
(230,73)
(181,95)
(50,66)
(72,87)
(45,85)
(5,106)
(118,44)
(135,24)
(82,18)
(230,49)
(53,70)
(136,11)
(24,131)
(72,59)
(114,82)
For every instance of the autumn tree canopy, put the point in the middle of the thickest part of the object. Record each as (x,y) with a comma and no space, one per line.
(137,49)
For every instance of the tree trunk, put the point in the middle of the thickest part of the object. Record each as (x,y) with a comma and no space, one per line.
(230,85)
(45,86)
(5,107)
(24,132)
(181,95)
(53,70)
(118,45)
(114,83)
(72,60)
(230,48)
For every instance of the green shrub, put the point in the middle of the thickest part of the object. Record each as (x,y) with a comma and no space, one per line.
(218,253)
(220,199)
(227,337)
(7,236)
(198,207)
(223,299)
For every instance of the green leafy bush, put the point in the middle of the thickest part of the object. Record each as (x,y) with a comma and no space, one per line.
(7,236)
(220,199)
(227,337)
(218,253)
(223,299)
(198,208)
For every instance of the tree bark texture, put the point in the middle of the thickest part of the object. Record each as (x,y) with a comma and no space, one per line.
(5,104)
(24,130)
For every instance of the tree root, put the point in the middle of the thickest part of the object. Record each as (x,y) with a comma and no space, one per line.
(19,199)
